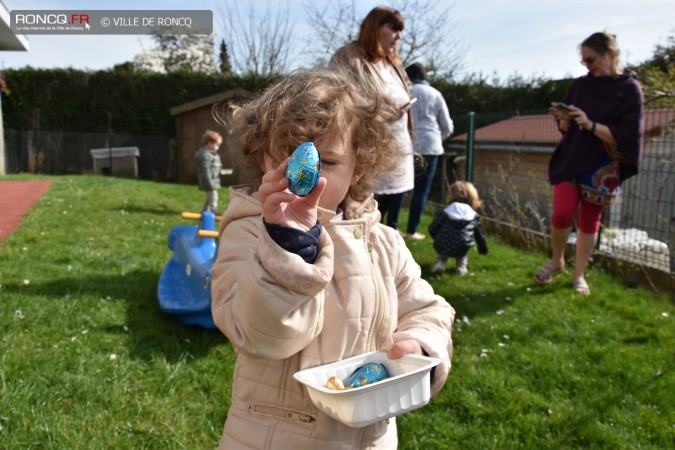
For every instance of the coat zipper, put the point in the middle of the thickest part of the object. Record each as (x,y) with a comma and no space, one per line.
(379,313)
(281,413)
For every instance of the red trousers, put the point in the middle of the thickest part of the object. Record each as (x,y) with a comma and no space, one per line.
(568,205)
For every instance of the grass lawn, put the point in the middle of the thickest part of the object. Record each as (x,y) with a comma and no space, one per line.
(89,361)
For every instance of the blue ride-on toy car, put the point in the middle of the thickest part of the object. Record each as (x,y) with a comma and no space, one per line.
(184,287)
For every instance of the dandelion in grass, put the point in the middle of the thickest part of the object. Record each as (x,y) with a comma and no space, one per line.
(501,312)
(25,249)
(125,328)
(664,314)
(112,357)
(18,314)
(26,281)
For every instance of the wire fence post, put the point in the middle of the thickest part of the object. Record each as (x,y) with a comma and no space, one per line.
(109,143)
(37,139)
(470,146)
(672,245)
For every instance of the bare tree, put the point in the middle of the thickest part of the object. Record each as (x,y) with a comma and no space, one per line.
(429,35)
(260,43)
(336,23)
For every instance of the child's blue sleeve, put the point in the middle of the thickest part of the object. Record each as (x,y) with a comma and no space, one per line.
(302,243)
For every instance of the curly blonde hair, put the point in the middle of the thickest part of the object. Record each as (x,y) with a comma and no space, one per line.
(464,191)
(313,105)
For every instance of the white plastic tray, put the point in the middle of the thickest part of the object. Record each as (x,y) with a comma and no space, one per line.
(406,389)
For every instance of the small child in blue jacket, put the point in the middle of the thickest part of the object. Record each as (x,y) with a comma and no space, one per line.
(456,228)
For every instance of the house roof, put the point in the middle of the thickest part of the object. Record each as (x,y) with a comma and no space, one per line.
(540,128)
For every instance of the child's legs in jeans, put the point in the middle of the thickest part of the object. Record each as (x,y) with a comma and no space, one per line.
(211,202)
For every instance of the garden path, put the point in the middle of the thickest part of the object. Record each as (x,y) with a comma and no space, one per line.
(16,199)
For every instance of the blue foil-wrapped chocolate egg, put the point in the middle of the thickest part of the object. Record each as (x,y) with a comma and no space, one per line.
(370,373)
(303,169)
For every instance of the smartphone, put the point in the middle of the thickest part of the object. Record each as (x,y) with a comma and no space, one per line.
(412,100)
(560,106)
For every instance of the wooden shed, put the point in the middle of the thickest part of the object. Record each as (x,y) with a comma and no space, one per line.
(192,119)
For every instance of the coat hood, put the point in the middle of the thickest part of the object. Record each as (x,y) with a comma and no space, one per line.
(460,211)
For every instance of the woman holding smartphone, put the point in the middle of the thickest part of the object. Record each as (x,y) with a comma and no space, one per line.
(374,60)
(602,124)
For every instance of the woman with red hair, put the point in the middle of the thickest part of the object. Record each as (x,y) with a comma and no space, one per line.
(374,61)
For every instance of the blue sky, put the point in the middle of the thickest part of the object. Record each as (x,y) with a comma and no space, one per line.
(506,37)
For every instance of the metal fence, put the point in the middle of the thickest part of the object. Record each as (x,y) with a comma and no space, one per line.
(509,166)
(66,153)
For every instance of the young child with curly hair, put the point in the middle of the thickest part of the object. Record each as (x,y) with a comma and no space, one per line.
(457,228)
(305,281)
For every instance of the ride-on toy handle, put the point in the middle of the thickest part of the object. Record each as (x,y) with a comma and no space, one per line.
(207,233)
(194,216)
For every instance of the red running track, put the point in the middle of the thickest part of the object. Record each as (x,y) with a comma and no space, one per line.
(16,199)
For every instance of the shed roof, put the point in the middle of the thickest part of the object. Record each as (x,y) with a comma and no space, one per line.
(210,100)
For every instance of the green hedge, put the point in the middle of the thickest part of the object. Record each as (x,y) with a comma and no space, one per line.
(138,103)
(517,96)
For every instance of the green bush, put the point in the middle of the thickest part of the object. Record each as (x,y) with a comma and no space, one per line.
(138,102)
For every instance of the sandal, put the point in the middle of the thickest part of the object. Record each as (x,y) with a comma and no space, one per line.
(581,286)
(547,272)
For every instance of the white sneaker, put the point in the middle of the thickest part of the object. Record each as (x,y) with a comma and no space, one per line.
(415,236)
(439,268)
